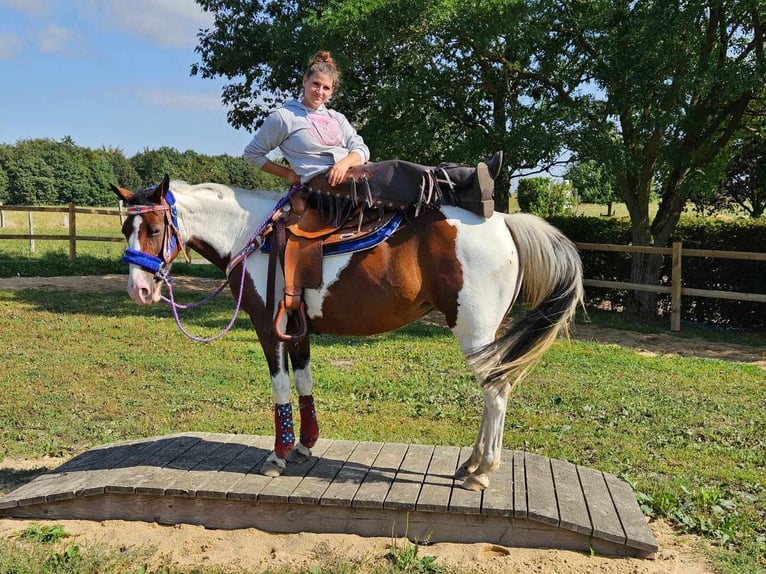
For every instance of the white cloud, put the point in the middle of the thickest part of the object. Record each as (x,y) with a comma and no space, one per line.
(180,100)
(58,40)
(165,22)
(10,45)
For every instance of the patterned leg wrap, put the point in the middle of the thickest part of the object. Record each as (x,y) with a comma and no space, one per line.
(309,425)
(284,441)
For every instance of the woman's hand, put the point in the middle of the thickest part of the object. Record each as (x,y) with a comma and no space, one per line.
(339,172)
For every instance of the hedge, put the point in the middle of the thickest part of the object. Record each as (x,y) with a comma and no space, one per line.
(698,272)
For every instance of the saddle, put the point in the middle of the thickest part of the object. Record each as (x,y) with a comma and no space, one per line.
(320,216)
(305,230)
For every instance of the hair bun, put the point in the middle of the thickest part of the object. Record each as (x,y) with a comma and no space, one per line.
(323,57)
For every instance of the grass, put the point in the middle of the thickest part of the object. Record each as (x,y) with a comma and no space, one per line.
(82,369)
(687,433)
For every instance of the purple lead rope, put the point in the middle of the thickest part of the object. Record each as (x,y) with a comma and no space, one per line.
(175,306)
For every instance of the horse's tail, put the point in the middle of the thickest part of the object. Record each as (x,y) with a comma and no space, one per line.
(552,288)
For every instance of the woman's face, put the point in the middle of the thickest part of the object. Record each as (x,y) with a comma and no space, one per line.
(317,89)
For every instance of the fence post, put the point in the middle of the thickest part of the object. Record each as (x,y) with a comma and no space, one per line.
(31,226)
(119,210)
(72,232)
(675,288)
(2,215)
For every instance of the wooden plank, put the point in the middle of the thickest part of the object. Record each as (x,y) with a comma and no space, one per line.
(224,483)
(342,490)
(66,480)
(117,461)
(603,516)
(404,491)
(498,498)
(280,489)
(313,486)
(462,500)
(637,532)
(519,485)
(373,491)
(177,470)
(573,512)
(541,495)
(439,481)
(170,449)
(217,452)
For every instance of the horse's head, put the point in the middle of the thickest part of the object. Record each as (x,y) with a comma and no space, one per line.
(151,229)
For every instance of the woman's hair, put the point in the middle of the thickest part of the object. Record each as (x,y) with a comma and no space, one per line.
(323,62)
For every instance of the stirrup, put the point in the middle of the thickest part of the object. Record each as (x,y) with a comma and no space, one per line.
(302,326)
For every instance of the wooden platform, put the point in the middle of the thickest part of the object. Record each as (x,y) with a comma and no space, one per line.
(369,489)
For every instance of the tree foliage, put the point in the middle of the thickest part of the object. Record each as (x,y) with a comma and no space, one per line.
(593,184)
(545,197)
(48,172)
(651,90)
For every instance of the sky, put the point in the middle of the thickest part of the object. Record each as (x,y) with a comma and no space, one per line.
(110,73)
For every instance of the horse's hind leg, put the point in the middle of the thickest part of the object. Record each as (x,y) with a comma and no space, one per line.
(487,451)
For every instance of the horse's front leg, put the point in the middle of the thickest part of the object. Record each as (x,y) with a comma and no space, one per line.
(300,354)
(284,434)
(487,450)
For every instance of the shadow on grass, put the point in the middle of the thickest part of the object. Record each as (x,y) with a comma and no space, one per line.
(214,315)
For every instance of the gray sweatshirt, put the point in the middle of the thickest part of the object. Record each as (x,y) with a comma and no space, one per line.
(311,141)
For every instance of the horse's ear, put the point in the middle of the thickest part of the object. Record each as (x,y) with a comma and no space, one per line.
(121,193)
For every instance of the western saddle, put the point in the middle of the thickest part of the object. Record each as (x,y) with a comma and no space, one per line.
(320,217)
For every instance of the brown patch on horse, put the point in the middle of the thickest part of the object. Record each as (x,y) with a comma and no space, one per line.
(397,282)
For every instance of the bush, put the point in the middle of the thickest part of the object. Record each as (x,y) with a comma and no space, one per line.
(542,196)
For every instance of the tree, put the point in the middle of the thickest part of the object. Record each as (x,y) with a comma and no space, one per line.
(593,184)
(651,90)
(744,185)
(543,196)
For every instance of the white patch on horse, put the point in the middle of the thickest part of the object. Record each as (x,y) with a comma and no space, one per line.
(489,288)
(303,380)
(332,267)
(280,383)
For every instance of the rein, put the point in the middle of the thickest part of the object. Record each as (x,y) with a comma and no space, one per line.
(161,267)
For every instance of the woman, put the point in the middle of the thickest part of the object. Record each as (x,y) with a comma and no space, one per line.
(312,138)
(316,140)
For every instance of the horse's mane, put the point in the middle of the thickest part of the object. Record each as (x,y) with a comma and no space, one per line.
(219,189)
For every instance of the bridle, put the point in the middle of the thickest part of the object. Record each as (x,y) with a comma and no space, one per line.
(171,240)
(172,244)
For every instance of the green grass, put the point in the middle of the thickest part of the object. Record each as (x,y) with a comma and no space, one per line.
(688,434)
(86,369)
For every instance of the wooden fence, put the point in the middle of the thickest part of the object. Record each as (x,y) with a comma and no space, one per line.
(677,252)
(71,236)
(676,290)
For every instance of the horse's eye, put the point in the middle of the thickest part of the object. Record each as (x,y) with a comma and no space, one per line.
(154,231)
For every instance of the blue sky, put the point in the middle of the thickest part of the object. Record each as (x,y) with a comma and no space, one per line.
(111,73)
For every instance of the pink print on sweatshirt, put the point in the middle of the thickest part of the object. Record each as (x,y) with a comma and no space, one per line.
(326,130)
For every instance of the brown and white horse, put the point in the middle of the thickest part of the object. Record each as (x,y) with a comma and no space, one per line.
(468,268)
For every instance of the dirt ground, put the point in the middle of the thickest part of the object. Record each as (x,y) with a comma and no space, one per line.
(251,549)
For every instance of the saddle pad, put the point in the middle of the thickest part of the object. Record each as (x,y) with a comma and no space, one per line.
(339,244)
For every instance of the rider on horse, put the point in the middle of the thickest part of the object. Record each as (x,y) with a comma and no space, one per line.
(322,147)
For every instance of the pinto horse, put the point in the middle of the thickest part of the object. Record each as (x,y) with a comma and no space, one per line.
(468,268)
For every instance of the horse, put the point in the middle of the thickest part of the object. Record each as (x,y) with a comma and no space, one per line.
(469,269)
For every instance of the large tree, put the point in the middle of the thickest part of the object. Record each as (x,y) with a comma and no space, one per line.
(651,90)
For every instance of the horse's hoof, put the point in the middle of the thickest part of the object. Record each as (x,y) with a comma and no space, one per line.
(477,482)
(274,466)
(300,454)
(464,471)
